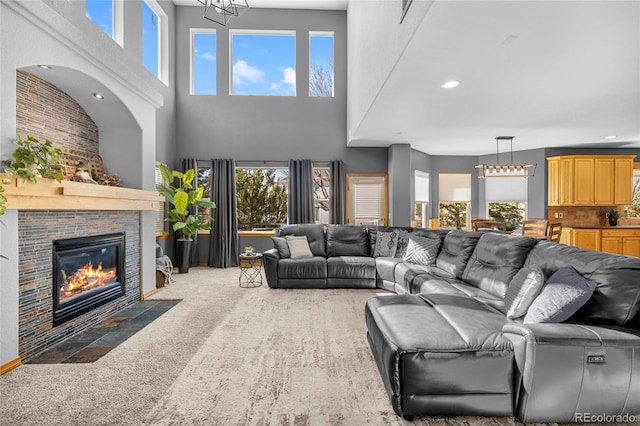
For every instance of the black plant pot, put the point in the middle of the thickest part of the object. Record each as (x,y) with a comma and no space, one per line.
(184,256)
(613,221)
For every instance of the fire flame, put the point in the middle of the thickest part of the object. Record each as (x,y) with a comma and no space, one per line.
(86,278)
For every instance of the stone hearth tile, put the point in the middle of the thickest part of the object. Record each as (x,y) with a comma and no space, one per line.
(112,339)
(58,353)
(88,355)
(113,322)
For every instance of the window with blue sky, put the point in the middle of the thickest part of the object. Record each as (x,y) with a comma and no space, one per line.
(263,64)
(321,64)
(203,62)
(100,12)
(150,38)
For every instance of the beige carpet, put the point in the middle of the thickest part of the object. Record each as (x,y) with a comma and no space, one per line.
(223,356)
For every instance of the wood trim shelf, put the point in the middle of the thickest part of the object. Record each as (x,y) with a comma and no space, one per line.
(47,194)
(13,364)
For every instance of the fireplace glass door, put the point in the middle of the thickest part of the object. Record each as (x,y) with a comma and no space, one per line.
(87,272)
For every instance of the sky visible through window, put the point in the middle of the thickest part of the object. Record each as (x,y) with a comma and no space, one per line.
(149,39)
(321,65)
(204,64)
(264,65)
(100,12)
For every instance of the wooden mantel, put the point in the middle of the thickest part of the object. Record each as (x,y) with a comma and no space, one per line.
(47,194)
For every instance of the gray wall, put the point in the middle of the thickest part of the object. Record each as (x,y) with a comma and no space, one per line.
(268,128)
(400,184)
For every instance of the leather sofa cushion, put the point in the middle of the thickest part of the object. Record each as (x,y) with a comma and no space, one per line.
(305,268)
(405,273)
(432,284)
(351,267)
(439,234)
(385,267)
(456,250)
(617,296)
(347,240)
(495,261)
(313,232)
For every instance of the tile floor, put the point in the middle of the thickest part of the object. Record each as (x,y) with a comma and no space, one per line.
(95,342)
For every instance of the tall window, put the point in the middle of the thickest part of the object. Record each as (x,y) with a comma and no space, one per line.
(203,62)
(150,39)
(162,226)
(262,196)
(321,194)
(263,63)
(100,12)
(421,199)
(507,200)
(633,211)
(454,191)
(321,64)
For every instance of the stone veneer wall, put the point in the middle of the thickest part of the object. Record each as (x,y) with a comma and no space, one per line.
(36,232)
(45,112)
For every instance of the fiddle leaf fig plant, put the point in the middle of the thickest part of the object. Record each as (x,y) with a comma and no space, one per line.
(181,197)
(34,159)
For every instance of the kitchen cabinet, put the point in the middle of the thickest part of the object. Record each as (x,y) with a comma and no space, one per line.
(621,241)
(590,180)
(588,239)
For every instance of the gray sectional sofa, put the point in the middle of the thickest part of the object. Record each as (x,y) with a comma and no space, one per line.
(444,345)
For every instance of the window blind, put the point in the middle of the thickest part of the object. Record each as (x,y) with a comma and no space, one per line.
(454,187)
(505,189)
(421,186)
(367,201)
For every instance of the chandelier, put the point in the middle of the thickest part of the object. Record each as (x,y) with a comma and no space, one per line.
(221,11)
(506,170)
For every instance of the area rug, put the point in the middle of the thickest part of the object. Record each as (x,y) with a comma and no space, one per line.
(224,355)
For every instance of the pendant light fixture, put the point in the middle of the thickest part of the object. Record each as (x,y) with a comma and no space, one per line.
(505,170)
(221,11)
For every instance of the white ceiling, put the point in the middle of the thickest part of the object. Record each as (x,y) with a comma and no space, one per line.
(283,4)
(550,73)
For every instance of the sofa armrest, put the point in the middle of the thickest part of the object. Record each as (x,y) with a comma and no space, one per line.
(270,260)
(564,369)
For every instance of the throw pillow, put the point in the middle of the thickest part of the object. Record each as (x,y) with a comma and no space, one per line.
(403,241)
(280,243)
(563,294)
(386,244)
(523,290)
(298,246)
(421,250)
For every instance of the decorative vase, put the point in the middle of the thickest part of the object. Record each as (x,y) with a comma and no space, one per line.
(184,256)
(613,221)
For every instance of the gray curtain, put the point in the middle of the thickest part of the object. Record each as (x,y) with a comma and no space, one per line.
(191,163)
(223,248)
(300,191)
(336,195)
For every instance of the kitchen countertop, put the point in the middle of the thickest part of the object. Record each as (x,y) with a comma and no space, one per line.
(602,227)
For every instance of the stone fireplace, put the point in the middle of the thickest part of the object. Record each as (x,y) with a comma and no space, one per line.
(42,324)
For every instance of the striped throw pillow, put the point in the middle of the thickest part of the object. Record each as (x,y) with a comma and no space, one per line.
(421,250)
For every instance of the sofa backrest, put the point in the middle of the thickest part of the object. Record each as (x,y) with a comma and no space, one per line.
(456,250)
(313,232)
(495,260)
(347,240)
(616,299)
(437,234)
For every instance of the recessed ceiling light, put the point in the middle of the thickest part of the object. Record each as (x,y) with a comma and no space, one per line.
(610,137)
(98,96)
(450,84)
(44,67)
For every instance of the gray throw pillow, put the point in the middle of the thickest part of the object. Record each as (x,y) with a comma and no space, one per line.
(523,290)
(403,242)
(280,243)
(563,294)
(386,244)
(298,246)
(421,250)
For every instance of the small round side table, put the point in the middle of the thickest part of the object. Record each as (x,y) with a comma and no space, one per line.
(250,270)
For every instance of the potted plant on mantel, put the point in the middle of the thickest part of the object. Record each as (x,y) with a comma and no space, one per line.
(31,160)
(181,197)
